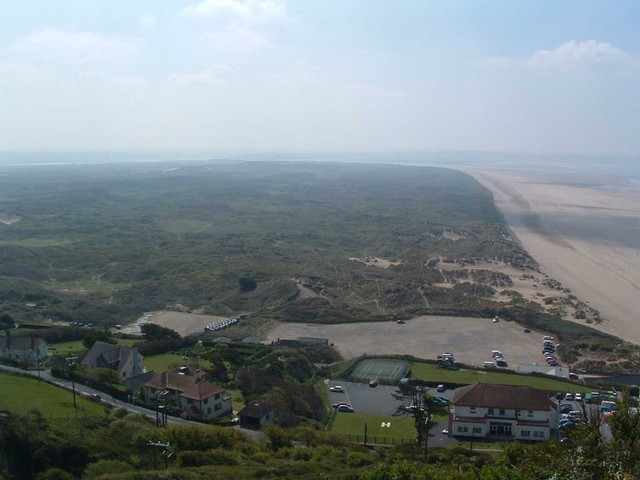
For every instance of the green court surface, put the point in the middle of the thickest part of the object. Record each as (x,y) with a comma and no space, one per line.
(385,370)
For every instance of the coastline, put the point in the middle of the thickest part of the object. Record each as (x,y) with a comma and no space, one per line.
(583,231)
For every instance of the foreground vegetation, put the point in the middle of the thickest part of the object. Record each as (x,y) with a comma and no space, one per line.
(127,447)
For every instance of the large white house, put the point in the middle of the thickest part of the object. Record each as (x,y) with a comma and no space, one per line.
(505,412)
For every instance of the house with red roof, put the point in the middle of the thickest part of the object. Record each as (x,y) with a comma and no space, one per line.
(503,412)
(187,390)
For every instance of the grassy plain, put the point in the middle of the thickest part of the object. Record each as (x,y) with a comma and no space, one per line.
(353,424)
(431,373)
(21,394)
(160,363)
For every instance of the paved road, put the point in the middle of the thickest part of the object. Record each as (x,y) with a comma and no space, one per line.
(107,399)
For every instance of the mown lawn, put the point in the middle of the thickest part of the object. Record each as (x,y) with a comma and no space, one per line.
(431,373)
(353,424)
(160,363)
(22,394)
(237,400)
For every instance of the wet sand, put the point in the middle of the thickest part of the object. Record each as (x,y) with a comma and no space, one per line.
(584,231)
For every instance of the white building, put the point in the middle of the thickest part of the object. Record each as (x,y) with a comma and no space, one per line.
(562,372)
(504,412)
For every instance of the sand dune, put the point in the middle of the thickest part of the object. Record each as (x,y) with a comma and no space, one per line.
(584,232)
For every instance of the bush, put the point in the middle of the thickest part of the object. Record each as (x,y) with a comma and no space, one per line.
(102,467)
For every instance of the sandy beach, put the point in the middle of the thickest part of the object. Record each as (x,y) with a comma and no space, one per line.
(584,231)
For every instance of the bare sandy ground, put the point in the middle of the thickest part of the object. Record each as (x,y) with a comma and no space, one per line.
(583,233)
(183,323)
(469,339)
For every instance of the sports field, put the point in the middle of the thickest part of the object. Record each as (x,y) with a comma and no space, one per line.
(384,370)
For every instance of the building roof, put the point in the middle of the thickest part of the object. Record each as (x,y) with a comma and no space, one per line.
(202,390)
(501,396)
(256,410)
(18,345)
(107,355)
(171,381)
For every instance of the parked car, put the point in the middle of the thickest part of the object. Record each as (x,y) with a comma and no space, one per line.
(442,400)
(566,408)
(345,409)
(568,396)
(95,397)
(441,388)
(373,383)
(578,397)
(341,404)
(502,363)
(337,388)
(559,395)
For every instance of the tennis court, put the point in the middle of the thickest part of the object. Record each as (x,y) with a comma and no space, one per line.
(384,370)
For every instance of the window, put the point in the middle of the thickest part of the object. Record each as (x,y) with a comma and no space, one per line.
(217,397)
(190,401)
(535,434)
(217,406)
(209,410)
(525,433)
(463,429)
(502,412)
(477,430)
(490,412)
(472,409)
(206,400)
(530,413)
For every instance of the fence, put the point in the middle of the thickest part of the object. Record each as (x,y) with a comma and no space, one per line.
(375,439)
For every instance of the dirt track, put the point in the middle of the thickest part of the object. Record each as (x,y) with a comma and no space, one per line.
(469,339)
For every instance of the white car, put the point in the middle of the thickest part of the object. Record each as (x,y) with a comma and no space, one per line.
(578,397)
(337,388)
(445,432)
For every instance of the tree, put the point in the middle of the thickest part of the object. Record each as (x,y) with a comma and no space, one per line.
(97,336)
(247,284)
(151,331)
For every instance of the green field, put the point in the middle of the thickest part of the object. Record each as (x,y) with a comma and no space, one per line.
(431,373)
(76,346)
(353,424)
(160,363)
(237,400)
(21,394)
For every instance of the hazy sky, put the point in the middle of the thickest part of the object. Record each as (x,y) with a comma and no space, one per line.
(303,75)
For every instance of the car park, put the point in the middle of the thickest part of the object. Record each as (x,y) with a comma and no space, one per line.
(337,389)
(345,409)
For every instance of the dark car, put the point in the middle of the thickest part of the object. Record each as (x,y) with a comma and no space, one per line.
(373,383)
(566,408)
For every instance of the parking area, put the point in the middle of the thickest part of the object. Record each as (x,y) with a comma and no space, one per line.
(381,400)
(384,401)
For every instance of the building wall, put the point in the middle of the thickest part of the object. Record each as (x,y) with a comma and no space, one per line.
(477,422)
(210,407)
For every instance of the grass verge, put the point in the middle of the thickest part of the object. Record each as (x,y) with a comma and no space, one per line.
(22,394)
